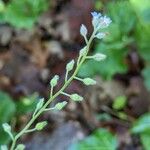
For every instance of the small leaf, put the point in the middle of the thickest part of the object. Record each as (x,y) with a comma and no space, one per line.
(146,75)
(119,102)
(101,139)
(7,111)
(142,124)
(83,30)
(2,6)
(145,139)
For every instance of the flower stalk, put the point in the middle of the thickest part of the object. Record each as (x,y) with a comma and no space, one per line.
(44,106)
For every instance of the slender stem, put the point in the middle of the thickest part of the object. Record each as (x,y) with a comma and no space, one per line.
(51,92)
(53,97)
(11,136)
(65,94)
(66,76)
(86,40)
(79,79)
(48,109)
(30,130)
(89,57)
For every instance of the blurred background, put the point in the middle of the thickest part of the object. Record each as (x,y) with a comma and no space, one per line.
(38,38)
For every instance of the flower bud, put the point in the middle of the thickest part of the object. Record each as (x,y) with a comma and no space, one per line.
(100,35)
(54,80)
(83,30)
(95,20)
(40,104)
(60,105)
(4,147)
(70,65)
(89,81)
(83,51)
(99,57)
(20,147)
(39,126)
(6,127)
(76,97)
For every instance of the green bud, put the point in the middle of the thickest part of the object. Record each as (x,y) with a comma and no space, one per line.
(54,80)
(83,51)
(70,65)
(99,57)
(4,147)
(39,126)
(100,35)
(89,81)
(6,127)
(60,105)
(83,30)
(40,104)
(76,97)
(20,147)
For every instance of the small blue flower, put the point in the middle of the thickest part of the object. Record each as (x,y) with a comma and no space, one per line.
(100,21)
(106,21)
(95,14)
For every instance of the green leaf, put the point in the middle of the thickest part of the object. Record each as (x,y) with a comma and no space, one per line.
(119,102)
(145,139)
(142,127)
(86,69)
(7,111)
(101,139)
(142,9)
(142,124)
(146,75)
(24,13)
(27,104)
(7,107)
(125,19)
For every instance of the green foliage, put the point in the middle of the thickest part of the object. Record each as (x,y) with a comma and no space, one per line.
(7,111)
(119,102)
(142,127)
(23,13)
(101,139)
(142,124)
(142,9)
(27,104)
(146,75)
(145,138)
(130,26)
